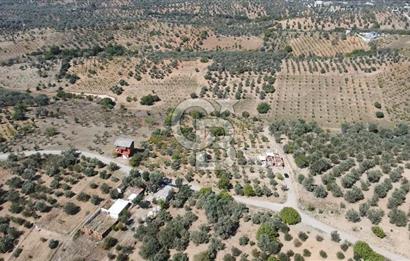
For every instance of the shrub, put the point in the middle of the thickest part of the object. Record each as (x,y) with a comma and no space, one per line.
(377,105)
(353,195)
(228,257)
(363,250)
(289,216)
(107,103)
(71,208)
(375,215)
(235,251)
(303,236)
(297,242)
(352,215)
(378,231)
(83,197)
(52,244)
(51,131)
(306,253)
(149,99)
(379,114)
(335,236)
(268,230)
(243,240)
(323,254)
(344,246)
(398,217)
(320,192)
(263,107)
(199,237)
(340,255)
(248,190)
(109,242)
(118,90)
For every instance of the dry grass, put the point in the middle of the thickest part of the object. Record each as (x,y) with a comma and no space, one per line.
(175,86)
(306,45)
(333,98)
(232,43)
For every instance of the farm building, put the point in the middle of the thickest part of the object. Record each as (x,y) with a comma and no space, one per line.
(368,37)
(322,3)
(131,193)
(115,210)
(162,194)
(98,226)
(124,146)
(272,160)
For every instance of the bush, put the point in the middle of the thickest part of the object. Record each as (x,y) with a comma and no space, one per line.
(109,242)
(71,208)
(320,192)
(52,244)
(107,103)
(243,240)
(235,251)
(377,105)
(306,253)
(378,231)
(199,237)
(323,254)
(353,195)
(263,107)
(83,197)
(149,99)
(344,246)
(352,215)
(398,217)
(379,114)
(375,215)
(335,236)
(303,236)
(363,250)
(248,190)
(289,216)
(340,255)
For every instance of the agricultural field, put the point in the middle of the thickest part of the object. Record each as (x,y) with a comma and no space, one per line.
(330,47)
(294,145)
(172,81)
(329,19)
(335,92)
(231,43)
(49,200)
(354,189)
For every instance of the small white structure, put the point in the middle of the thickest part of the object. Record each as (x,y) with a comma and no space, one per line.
(132,193)
(322,3)
(163,193)
(153,212)
(271,159)
(368,37)
(115,210)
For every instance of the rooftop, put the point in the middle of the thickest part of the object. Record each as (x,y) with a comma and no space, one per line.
(100,223)
(123,142)
(118,206)
(163,193)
